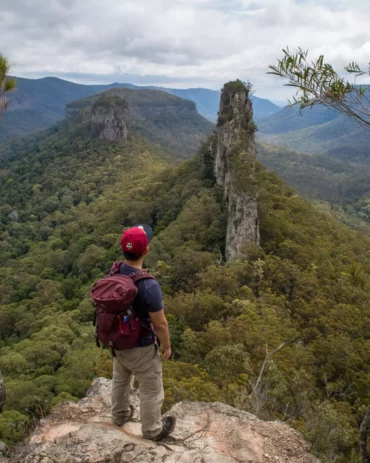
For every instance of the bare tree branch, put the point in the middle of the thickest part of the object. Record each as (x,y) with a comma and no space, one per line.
(268,356)
(364,434)
(2,392)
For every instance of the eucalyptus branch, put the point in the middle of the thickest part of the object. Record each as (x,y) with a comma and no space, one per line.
(7,84)
(318,83)
(364,434)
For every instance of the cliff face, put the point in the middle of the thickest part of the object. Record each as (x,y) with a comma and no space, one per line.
(234,156)
(108,118)
(205,433)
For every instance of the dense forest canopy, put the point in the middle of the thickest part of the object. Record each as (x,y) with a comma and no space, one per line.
(64,201)
(338,184)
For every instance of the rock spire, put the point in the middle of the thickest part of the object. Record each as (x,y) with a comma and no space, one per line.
(234,157)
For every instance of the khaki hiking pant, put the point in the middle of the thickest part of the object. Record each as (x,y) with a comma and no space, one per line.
(145,364)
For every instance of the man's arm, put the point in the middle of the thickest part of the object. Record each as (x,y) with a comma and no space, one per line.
(160,324)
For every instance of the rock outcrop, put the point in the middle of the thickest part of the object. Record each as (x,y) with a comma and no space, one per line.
(205,433)
(110,119)
(234,157)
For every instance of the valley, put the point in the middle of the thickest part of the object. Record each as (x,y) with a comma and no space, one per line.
(316,130)
(323,155)
(66,194)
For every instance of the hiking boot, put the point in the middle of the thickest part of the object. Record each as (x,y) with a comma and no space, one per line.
(168,425)
(126,420)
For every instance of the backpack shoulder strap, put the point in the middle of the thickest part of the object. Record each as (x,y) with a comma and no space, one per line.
(115,267)
(142,275)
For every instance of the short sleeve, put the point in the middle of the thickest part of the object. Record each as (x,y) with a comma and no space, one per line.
(153,296)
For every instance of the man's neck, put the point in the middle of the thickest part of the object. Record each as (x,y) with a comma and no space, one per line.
(135,263)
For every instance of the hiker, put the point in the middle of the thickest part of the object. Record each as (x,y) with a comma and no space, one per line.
(130,326)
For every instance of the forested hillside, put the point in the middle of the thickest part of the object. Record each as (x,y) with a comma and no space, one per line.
(166,120)
(324,155)
(344,184)
(316,130)
(64,201)
(291,118)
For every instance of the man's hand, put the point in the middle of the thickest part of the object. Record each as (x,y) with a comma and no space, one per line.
(161,328)
(166,354)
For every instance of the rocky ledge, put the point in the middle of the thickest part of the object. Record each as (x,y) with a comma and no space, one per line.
(205,433)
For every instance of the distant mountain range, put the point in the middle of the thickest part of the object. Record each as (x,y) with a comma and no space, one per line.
(208,102)
(317,130)
(38,103)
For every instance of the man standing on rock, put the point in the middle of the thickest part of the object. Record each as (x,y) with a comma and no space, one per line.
(143,360)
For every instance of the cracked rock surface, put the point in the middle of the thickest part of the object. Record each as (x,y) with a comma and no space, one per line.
(205,433)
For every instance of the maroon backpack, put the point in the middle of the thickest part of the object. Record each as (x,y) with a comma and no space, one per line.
(116,324)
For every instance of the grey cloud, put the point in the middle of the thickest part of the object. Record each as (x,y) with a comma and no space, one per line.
(176,41)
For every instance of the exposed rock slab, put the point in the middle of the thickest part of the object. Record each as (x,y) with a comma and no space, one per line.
(205,433)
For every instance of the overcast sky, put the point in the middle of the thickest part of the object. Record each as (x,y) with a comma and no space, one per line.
(178,43)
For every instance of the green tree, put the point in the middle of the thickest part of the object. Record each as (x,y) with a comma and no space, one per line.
(183,381)
(227,363)
(13,425)
(318,83)
(6,84)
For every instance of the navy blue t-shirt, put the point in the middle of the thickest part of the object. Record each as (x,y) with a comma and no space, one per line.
(148,299)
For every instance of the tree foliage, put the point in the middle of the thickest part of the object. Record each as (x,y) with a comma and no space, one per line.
(7,84)
(318,83)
